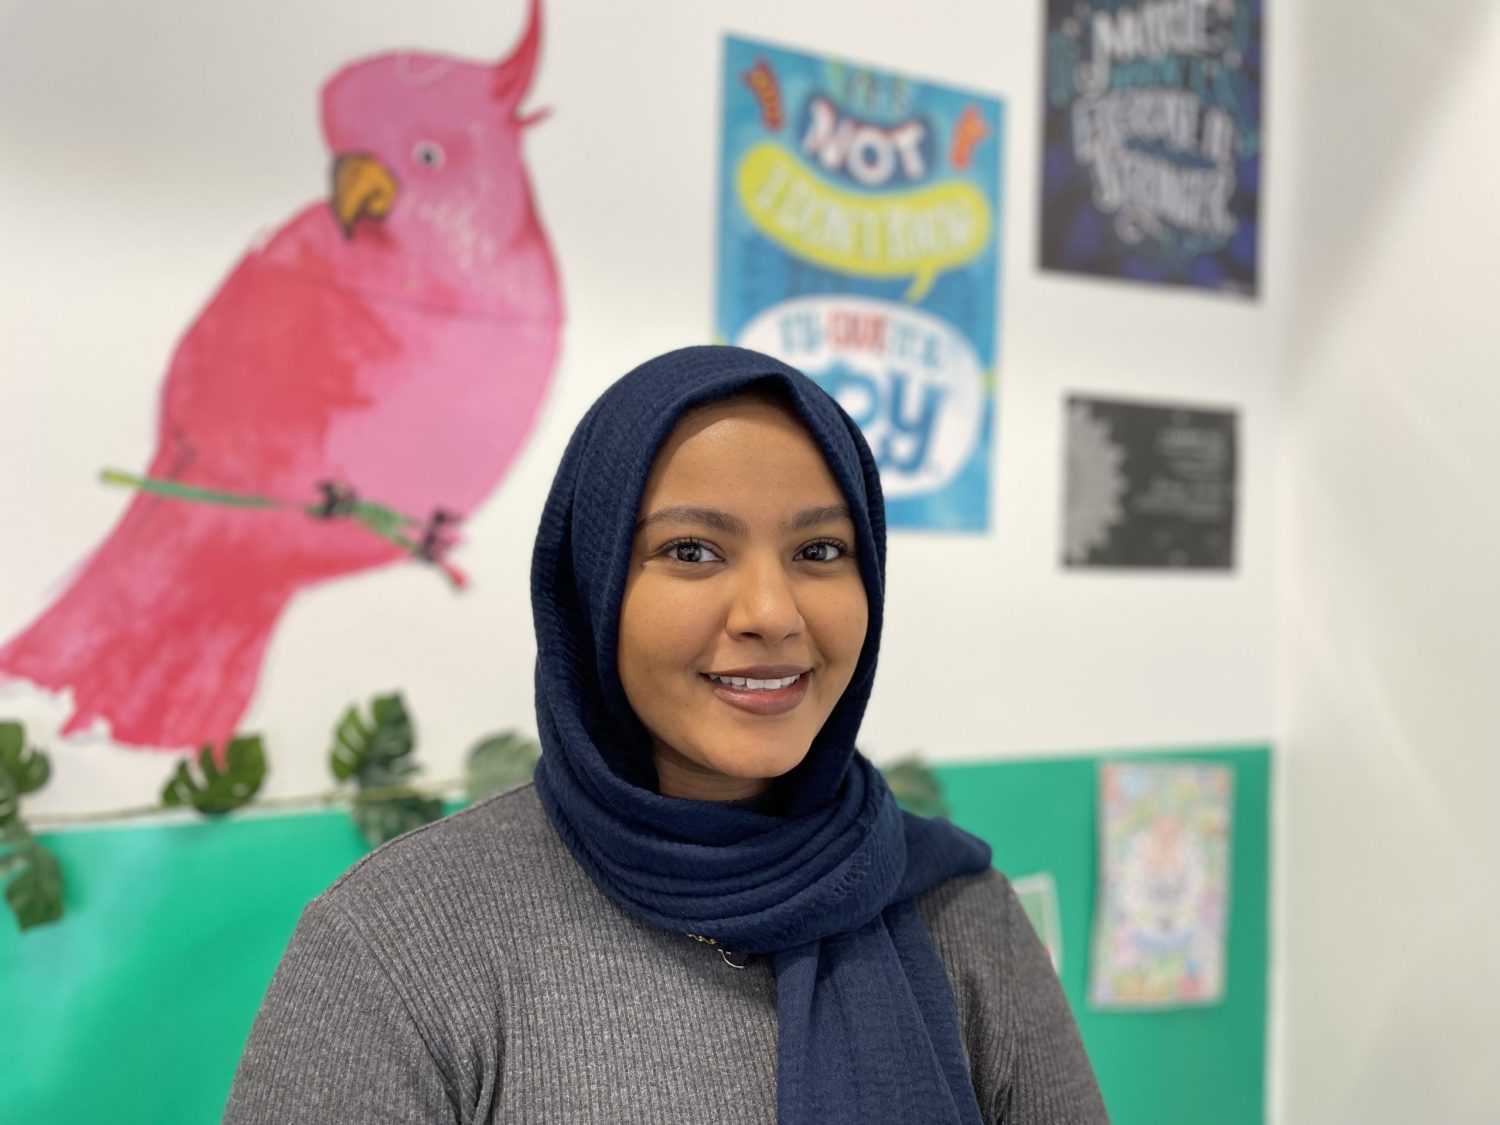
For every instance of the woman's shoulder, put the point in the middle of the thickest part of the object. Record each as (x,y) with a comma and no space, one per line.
(981,932)
(507,830)
(474,873)
(968,905)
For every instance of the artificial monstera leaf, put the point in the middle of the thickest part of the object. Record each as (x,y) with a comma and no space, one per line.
(34,890)
(216,789)
(497,762)
(393,741)
(34,894)
(386,818)
(374,751)
(351,745)
(22,770)
(915,787)
(32,877)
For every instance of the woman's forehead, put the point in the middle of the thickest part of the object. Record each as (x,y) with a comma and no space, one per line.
(741,452)
(748,402)
(755,436)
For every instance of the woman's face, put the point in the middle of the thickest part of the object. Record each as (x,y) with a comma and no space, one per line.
(742,577)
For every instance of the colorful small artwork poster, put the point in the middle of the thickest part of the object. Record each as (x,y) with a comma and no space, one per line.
(859,241)
(1149,485)
(1038,898)
(1152,141)
(1161,919)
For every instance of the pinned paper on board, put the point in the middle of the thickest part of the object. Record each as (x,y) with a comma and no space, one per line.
(1038,897)
(1160,924)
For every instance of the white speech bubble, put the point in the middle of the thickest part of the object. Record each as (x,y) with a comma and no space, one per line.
(911,380)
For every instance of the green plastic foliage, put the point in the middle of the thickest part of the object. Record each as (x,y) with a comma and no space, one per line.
(34,893)
(915,787)
(219,789)
(22,771)
(377,752)
(377,755)
(385,818)
(34,890)
(499,761)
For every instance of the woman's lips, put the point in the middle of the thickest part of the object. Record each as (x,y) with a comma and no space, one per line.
(777,702)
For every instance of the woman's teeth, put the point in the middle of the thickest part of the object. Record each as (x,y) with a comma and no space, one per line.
(755,685)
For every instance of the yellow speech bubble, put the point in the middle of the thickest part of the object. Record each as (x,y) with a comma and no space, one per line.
(920,233)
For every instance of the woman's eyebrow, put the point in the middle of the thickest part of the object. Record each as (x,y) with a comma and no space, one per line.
(708,517)
(816,517)
(733,525)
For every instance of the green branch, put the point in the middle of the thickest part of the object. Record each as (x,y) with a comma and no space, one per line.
(307,801)
(379,519)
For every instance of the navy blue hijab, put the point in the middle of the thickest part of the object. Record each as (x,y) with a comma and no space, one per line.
(821,876)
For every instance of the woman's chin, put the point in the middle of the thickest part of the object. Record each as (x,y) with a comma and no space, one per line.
(760,763)
(724,762)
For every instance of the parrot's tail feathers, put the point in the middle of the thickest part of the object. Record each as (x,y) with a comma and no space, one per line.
(160,636)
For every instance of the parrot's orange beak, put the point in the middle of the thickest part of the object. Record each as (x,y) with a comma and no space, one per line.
(362,188)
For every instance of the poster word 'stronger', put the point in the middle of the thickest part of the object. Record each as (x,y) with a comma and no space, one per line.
(859,241)
(1152,141)
(1160,922)
(1149,485)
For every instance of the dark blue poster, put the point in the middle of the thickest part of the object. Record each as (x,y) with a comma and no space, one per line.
(1152,141)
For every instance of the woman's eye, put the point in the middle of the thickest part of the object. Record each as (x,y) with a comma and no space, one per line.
(428,154)
(691,551)
(824,551)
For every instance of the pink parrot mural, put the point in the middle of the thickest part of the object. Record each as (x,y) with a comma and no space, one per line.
(359,384)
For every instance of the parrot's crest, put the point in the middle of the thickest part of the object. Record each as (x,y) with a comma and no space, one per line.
(513,76)
(430,199)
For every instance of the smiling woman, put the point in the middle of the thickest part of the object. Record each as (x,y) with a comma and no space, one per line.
(707,588)
(744,613)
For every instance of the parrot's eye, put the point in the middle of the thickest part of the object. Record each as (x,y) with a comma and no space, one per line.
(427,154)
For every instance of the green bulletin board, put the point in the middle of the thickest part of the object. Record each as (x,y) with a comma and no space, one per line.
(134,1008)
(1183,1067)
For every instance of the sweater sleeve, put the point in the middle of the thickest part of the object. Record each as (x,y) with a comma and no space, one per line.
(1049,1080)
(333,1041)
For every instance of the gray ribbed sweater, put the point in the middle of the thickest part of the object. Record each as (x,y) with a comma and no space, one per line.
(471,972)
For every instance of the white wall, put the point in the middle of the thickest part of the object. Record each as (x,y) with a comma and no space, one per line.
(142,146)
(158,137)
(1390,666)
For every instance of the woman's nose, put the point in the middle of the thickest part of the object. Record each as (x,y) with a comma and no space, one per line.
(764,602)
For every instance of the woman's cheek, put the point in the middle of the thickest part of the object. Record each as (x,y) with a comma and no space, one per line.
(850,619)
(681,623)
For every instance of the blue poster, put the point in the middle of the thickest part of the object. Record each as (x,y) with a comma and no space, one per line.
(859,223)
(1152,141)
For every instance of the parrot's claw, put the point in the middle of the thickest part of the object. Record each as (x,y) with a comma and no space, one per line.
(338,500)
(436,537)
